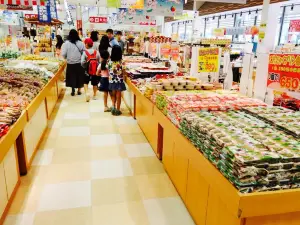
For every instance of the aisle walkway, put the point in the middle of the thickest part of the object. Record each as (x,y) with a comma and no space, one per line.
(95,169)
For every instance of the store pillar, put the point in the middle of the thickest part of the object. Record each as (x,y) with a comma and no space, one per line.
(267,40)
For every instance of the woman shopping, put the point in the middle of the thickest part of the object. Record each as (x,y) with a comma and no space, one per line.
(72,50)
(59,43)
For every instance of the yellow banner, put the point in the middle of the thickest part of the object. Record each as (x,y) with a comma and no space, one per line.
(208,60)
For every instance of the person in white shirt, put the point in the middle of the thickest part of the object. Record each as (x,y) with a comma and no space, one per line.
(147,45)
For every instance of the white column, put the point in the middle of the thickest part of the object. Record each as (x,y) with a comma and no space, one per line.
(270,14)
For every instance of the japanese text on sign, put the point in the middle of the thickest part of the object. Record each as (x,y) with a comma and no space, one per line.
(284,71)
(98,19)
(208,60)
(44,14)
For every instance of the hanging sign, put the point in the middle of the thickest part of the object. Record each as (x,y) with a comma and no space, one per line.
(19,7)
(133,4)
(53,11)
(21,3)
(218,32)
(294,26)
(98,19)
(44,14)
(208,60)
(79,24)
(151,23)
(31,16)
(163,7)
(174,52)
(134,17)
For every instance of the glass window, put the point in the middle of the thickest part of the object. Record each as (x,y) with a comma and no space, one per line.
(286,35)
(211,24)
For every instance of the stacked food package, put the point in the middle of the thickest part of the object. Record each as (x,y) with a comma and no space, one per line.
(284,119)
(20,83)
(251,153)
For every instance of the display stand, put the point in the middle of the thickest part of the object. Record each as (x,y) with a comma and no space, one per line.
(210,198)
(19,145)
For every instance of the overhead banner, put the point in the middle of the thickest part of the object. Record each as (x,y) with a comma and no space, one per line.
(163,7)
(113,3)
(134,17)
(53,11)
(133,4)
(98,19)
(283,80)
(19,7)
(22,3)
(294,26)
(44,14)
(209,60)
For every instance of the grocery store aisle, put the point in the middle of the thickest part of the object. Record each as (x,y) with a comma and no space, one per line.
(95,169)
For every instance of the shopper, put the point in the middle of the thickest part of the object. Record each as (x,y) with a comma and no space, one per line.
(112,40)
(120,41)
(95,38)
(72,50)
(104,81)
(146,48)
(59,43)
(104,44)
(116,80)
(90,61)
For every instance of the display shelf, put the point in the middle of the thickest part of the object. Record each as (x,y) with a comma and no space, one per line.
(209,197)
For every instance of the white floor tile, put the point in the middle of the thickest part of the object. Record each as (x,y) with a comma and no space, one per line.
(112,168)
(43,158)
(77,116)
(138,150)
(65,196)
(20,219)
(121,120)
(74,131)
(94,109)
(167,211)
(55,123)
(106,140)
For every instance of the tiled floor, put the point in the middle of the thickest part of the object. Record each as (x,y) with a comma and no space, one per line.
(95,169)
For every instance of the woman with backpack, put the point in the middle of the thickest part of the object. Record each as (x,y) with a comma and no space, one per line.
(90,61)
(72,50)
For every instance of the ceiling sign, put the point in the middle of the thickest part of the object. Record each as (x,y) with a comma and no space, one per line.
(163,7)
(98,19)
(151,23)
(22,3)
(31,16)
(19,7)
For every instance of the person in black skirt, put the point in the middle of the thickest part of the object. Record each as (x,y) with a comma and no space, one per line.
(72,50)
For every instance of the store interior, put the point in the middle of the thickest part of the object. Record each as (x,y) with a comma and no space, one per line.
(149,112)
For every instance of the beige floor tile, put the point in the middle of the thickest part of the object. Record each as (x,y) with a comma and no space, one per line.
(134,138)
(68,172)
(47,143)
(115,190)
(35,176)
(72,142)
(101,122)
(51,133)
(75,123)
(26,199)
(129,129)
(103,129)
(125,213)
(76,216)
(55,123)
(96,115)
(155,186)
(109,152)
(146,165)
(71,155)
(19,219)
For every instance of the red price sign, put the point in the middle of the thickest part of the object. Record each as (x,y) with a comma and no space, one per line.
(284,71)
(98,19)
(31,16)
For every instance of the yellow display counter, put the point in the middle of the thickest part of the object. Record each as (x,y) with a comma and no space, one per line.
(209,197)
(18,146)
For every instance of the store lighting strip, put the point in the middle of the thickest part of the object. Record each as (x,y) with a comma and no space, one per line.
(231,14)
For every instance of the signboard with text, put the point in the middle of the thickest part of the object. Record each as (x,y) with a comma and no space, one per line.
(174,52)
(98,19)
(31,16)
(294,26)
(209,60)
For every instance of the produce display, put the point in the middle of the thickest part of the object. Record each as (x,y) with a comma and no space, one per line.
(249,152)
(9,54)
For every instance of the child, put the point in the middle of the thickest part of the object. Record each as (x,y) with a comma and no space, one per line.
(90,61)
(104,80)
(116,82)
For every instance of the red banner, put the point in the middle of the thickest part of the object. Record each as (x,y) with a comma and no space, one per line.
(98,19)
(152,23)
(19,7)
(284,71)
(294,26)
(79,24)
(31,16)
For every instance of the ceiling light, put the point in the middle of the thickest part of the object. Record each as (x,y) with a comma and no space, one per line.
(292,8)
(232,15)
(249,12)
(225,16)
(213,17)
